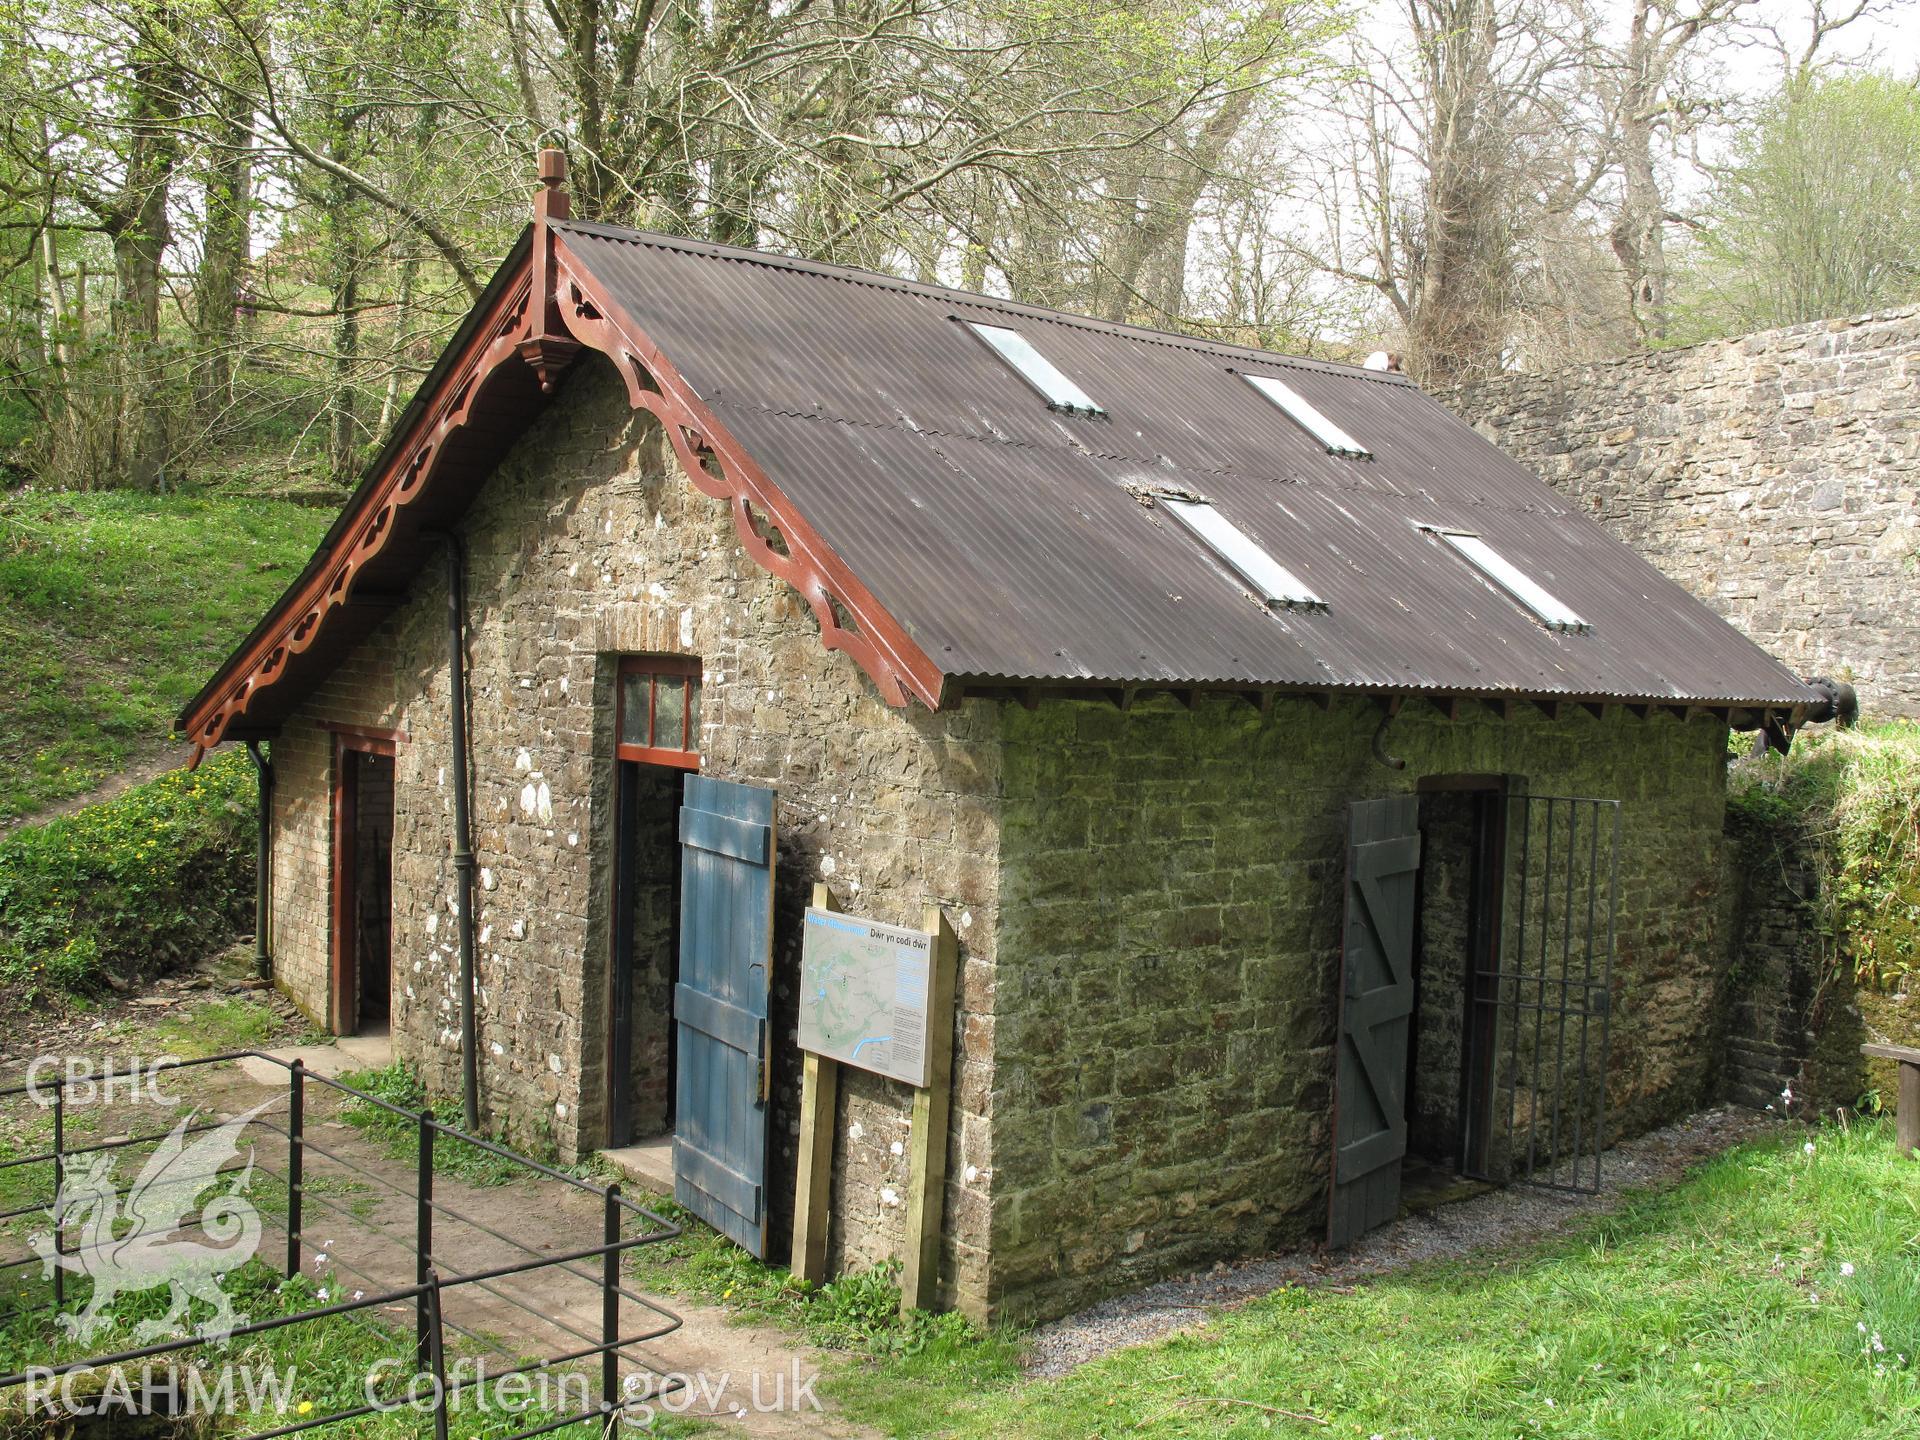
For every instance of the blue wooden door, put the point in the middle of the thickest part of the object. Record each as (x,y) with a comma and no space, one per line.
(720,1007)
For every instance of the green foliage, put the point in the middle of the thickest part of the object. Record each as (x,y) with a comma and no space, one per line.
(114,610)
(858,1313)
(1856,794)
(1819,215)
(1743,1304)
(160,874)
(397,1084)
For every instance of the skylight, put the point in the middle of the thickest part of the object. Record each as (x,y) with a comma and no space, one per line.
(1038,371)
(1271,580)
(1509,577)
(1309,417)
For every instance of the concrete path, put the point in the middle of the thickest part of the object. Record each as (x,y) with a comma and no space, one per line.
(345,1053)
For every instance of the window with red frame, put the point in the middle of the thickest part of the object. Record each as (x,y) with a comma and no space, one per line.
(659,710)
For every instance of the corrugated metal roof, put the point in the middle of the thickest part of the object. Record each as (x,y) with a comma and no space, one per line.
(1009,541)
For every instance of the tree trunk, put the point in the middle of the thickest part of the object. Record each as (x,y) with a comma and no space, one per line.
(223,262)
(1638,232)
(343,423)
(139,230)
(1456,330)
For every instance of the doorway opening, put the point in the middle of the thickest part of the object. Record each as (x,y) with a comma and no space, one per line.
(362,921)
(657,728)
(1472,1016)
(1456,930)
(646,952)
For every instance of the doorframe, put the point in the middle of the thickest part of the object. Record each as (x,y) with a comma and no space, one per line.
(343,960)
(627,760)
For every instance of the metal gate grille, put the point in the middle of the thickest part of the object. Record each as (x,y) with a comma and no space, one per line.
(1541,1015)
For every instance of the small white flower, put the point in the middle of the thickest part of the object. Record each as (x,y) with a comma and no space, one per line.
(1808,1147)
(1550,1402)
(359,1294)
(1846,1267)
(323,1292)
(320,1260)
(1787,1094)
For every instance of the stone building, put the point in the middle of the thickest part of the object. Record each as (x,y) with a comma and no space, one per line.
(1775,475)
(1321,804)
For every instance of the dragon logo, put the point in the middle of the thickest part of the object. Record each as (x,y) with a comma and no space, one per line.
(127,1249)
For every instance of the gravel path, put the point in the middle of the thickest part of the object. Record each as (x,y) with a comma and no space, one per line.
(1496,1219)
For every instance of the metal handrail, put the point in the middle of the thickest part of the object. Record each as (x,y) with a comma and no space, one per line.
(430,1283)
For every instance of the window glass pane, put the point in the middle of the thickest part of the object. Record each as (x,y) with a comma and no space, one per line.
(1515,581)
(635,693)
(1041,373)
(669,712)
(693,713)
(1275,584)
(1309,417)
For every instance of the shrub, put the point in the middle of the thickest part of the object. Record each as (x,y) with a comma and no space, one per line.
(155,876)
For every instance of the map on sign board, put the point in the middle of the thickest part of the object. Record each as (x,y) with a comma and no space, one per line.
(864,990)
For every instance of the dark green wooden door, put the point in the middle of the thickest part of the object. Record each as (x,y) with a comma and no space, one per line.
(1376,1006)
(720,1007)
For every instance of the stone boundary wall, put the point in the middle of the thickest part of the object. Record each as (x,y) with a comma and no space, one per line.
(1776,476)
(1793,1015)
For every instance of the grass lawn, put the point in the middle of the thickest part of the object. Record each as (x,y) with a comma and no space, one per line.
(1724,1307)
(114,609)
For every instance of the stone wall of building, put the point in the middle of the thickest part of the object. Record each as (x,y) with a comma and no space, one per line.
(1776,476)
(1170,946)
(587,544)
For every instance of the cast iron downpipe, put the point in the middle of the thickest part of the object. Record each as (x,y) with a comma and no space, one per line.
(462,827)
(262,862)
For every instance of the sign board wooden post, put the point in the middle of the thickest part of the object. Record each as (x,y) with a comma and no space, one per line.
(880,997)
(813,1197)
(932,1107)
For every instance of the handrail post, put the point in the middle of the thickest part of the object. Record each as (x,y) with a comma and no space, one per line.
(59,1194)
(610,1306)
(426,1336)
(436,1357)
(296,1160)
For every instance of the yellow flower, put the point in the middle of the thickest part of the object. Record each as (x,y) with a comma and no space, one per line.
(305,1406)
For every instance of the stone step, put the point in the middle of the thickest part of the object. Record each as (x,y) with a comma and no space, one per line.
(647,1163)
